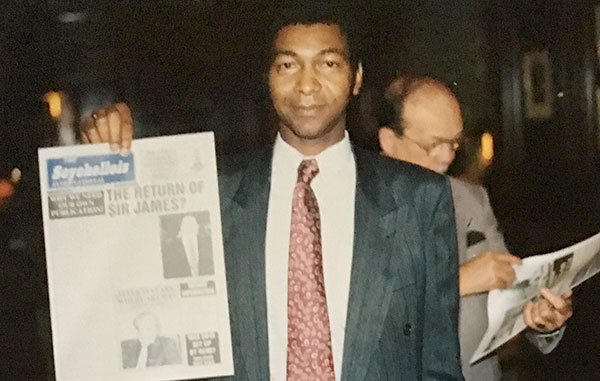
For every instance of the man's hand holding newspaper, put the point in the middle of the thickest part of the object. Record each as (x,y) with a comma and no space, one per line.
(540,298)
(111,124)
(550,312)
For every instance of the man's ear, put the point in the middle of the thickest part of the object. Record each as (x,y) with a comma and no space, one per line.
(358,78)
(387,140)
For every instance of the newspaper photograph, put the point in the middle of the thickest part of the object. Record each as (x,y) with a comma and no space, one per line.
(136,271)
(559,271)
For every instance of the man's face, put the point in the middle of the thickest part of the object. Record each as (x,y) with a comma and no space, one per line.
(189,226)
(564,265)
(147,328)
(310,83)
(433,127)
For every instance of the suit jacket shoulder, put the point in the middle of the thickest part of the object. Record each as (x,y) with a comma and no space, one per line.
(411,185)
(476,225)
(231,169)
(405,179)
(468,191)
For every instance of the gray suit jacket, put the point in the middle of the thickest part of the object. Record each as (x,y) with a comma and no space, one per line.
(477,232)
(475,220)
(403,302)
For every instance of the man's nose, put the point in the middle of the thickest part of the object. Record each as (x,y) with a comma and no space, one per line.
(446,153)
(308,83)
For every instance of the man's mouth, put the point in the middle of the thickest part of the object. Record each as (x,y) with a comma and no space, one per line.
(310,110)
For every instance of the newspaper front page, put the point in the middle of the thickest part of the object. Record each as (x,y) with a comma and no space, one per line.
(559,271)
(135,261)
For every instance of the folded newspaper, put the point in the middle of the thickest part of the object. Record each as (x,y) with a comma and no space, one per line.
(559,271)
(135,261)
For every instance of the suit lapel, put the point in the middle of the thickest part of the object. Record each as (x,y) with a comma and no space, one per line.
(462,219)
(244,235)
(377,217)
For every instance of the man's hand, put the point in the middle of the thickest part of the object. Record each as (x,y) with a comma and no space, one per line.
(112,124)
(550,312)
(486,272)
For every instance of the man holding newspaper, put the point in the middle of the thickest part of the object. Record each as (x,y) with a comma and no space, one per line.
(426,128)
(382,295)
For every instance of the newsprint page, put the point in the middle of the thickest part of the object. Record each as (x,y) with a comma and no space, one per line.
(135,260)
(559,271)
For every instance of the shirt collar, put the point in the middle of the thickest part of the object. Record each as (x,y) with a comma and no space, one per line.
(331,160)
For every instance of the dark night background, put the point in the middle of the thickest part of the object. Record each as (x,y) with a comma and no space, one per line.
(196,65)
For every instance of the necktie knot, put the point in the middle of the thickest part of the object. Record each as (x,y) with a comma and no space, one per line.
(307,170)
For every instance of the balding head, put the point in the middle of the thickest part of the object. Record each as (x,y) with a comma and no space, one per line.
(427,124)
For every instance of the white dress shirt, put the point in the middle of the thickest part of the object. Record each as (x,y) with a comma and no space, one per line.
(334,187)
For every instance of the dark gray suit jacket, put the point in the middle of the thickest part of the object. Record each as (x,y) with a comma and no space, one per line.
(403,303)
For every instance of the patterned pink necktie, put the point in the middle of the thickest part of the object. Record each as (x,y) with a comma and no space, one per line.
(309,355)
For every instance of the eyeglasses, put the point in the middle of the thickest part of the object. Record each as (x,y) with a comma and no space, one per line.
(453,144)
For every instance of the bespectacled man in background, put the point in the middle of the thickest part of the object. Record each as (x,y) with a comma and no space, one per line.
(426,130)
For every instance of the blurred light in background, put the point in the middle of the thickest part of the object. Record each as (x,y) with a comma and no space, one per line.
(61,109)
(15,175)
(487,148)
(7,189)
(7,186)
(54,101)
(72,17)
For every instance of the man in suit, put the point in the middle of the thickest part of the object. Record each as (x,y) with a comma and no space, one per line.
(388,284)
(149,348)
(426,128)
(189,251)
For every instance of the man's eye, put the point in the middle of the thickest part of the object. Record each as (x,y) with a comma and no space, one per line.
(286,65)
(331,64)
